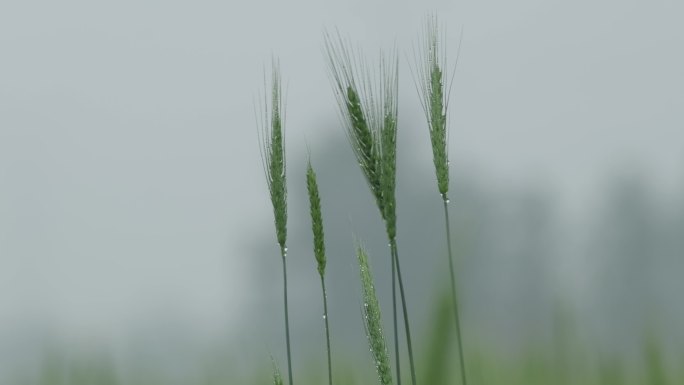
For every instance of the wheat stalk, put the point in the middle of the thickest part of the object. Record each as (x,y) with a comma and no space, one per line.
(373,320)
(370,113)
(319,250)
(272,146)
(430,84)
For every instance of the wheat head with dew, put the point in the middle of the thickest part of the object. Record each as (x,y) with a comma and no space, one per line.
(272,146)
(367,101)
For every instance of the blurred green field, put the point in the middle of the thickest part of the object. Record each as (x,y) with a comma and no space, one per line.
(568,360)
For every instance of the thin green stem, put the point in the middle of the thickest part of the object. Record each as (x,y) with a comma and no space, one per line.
(454,297)
(394,316)
(287,318)
(395,258)
(327,329)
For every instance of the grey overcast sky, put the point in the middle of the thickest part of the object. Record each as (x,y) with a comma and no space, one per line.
(129,169)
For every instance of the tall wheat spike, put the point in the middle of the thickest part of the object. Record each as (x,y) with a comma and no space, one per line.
(431,83)
(272,148)
(369,113)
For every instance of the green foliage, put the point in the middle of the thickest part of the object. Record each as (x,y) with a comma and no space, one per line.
(436,356)
(655,370)
(525,366)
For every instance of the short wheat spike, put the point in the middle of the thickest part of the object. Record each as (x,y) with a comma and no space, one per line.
(373,320)
(273,154)
(316,218)
(319,250)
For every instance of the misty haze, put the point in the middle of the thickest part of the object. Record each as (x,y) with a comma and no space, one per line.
(137,242)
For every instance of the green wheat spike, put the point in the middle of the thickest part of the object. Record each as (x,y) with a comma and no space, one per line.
(319,250)
(373,320)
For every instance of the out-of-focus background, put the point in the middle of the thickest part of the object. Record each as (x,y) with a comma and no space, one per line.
(136,235)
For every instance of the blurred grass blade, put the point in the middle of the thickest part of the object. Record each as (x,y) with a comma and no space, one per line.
(277,378)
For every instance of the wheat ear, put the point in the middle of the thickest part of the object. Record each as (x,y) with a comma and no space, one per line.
(373,320)
(319,250)
(369,112)
(273,157)
(431,83)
